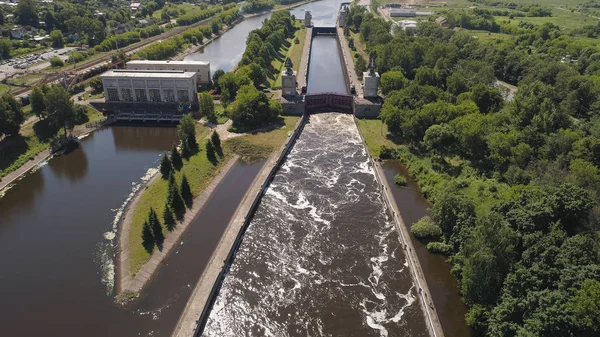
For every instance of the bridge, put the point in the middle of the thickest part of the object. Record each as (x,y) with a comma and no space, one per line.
(328,101)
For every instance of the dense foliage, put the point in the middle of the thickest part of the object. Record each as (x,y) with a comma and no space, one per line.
(11,116)
(515,184)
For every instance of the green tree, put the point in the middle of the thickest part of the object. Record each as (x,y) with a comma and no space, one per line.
(187,135)
(392,80)
(176,158)
(210,153)
(168,218)
(96,84)
(487,99)
(207,106)
(215,79)
(166,168)
(147,237)
(252,108)
(26,13)
(37,101)
(57,39)
(186,192)
(216,140)
(154,223)
(11,115)
(586,308)
(174,199)
(5,48)
(56,62)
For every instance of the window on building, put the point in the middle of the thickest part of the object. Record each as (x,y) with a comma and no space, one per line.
(154,95)
(113,94)
(140,95)
(169,95)
(126,95)
(183,95)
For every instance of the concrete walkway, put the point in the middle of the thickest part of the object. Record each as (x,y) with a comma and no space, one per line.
(347,56)
(135,283)
(302,76)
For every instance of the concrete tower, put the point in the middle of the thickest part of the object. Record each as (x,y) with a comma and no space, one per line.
(371,80)
(288,79)
(307,19)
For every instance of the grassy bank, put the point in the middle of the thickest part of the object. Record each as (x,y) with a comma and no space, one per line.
(200,172)
(291,50)
(32,139)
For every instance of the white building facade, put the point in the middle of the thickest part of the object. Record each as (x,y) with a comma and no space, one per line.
(202,69)
(143,86)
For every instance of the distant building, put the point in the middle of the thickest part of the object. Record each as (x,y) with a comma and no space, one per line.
(135,6)
(442,22)
(307,19)
(402,12)
(201,69)
(168,87)
(408,25)
(18,33)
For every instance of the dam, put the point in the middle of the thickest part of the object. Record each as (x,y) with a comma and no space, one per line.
(321,255)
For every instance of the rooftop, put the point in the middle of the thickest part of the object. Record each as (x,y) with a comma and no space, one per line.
(174,74)
(142,62)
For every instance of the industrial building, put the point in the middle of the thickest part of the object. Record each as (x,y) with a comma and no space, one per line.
(144,86)
(202,69)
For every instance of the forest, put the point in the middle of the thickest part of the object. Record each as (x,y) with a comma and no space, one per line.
(513,179)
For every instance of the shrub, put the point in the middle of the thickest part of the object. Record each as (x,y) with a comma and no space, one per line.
(425,228)
(400,180)
(386,152)
(56,62)
(439,248)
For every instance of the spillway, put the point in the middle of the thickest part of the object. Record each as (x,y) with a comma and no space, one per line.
(321,257)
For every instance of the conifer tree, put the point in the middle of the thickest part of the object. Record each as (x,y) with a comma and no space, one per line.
(216,140)
(210,153)
(176,158)
(168,218)
(147,237)
(154,223)
(165,166)
(186,192)
(174,199)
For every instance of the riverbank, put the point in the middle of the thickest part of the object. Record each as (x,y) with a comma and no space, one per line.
(133,283)
(136,266)
(207,288)
(40,156)
(424,294)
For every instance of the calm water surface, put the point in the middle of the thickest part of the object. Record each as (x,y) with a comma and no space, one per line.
(55,224)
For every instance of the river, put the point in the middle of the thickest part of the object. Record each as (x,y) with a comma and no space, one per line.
(57,239)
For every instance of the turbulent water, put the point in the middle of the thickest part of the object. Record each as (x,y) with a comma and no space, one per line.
(321,257)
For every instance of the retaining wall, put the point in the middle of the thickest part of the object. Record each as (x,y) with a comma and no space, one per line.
(425,299)
(248,218)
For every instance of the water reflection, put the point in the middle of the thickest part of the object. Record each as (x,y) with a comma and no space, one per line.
(73,166)
(13,202)
(151,138)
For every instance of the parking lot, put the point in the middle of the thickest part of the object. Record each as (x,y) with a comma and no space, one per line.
(35,61)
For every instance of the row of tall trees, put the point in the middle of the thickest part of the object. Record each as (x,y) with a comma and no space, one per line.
(515,184)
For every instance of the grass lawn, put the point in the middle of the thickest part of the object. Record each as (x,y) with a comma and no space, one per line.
(561,18)
(185,7)
(199,171)
(25,80)
(485,35)
(32,139)
(4,88)
(376,135)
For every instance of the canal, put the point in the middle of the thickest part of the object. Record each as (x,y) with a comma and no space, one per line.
(325,76)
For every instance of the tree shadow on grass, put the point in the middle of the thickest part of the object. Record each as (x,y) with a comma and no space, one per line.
(11,148)
(44,131)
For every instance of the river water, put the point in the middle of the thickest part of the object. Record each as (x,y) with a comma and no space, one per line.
(57,239)
(321,257)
